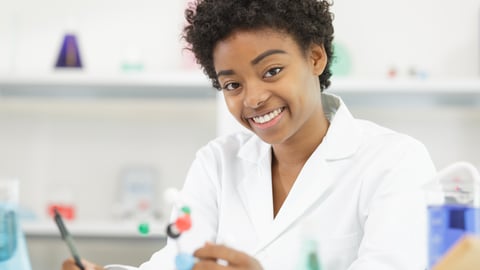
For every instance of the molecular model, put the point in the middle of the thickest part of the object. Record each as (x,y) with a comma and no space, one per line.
(183,223)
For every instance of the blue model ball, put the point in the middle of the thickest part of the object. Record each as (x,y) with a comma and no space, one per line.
(184,261)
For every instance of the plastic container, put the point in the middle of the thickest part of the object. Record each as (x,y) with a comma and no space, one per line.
(453,208)
(8,231)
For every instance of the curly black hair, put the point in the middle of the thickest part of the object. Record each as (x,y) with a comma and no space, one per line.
(209,21)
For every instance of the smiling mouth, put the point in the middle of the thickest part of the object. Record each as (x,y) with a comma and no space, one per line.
(267,117)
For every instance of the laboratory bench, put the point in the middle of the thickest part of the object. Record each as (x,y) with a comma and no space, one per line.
(103,242)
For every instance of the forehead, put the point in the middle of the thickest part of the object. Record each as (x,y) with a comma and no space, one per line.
(244,44)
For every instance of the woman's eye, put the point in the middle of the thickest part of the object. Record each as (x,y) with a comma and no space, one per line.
(231,86)
(272,72)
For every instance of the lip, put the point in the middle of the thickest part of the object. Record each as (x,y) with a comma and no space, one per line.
(268,124)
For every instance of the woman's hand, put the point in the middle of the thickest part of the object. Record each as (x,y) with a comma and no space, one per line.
(69,264)
(209,255)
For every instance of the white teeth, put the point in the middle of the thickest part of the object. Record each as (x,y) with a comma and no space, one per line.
(267,117)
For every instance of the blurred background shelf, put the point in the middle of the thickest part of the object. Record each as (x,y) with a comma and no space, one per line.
(407,92)
(195,85)
(95,229)
(433,86)
(191,84)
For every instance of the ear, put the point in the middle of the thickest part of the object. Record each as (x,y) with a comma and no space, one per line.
(318,58)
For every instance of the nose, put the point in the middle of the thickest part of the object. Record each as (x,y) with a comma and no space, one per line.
(255,97)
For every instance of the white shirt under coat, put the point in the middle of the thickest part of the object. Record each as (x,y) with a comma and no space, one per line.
(358,196)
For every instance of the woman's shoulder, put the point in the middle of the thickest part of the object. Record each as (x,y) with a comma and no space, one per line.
(375,133)
(391,160)
(387,144)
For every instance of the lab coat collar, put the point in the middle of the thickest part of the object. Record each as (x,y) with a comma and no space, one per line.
(343,136)
(341,141)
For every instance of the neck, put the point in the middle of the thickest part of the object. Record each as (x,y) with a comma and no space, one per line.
(297,150)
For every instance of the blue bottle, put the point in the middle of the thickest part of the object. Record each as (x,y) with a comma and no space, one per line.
(454,209)
(8,231)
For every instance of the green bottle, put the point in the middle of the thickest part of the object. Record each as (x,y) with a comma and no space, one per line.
(310,257)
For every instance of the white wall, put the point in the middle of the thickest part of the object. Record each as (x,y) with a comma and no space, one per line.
(73,151)
(437,36)
(31,33)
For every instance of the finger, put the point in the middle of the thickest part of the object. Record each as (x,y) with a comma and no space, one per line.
(91,266)
(208,265)
(215,252)
(69,264)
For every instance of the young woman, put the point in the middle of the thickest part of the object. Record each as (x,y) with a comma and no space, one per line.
(307,170)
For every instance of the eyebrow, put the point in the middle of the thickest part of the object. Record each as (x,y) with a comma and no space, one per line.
(255,61)
(225,72)
(266,54)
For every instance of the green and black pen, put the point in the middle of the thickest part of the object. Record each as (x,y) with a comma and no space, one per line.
(68,239)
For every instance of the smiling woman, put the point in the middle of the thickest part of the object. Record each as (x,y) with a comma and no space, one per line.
(307,162)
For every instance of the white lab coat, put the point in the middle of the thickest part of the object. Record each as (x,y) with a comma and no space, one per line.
(358,196)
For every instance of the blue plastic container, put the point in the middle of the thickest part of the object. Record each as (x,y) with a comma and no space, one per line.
(447,224)
(453,198)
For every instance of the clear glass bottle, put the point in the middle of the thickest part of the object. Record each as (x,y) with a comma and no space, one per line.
(13,251)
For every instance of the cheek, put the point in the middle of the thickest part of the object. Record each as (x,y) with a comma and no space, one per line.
(233,107)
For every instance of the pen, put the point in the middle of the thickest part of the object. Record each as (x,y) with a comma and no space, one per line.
(68,239)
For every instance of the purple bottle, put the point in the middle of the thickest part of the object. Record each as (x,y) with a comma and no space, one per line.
(69,55)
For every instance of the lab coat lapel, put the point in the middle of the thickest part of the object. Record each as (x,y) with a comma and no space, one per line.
(312,186)
(255,189)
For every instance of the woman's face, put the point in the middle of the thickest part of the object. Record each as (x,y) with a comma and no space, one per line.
(270,85)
